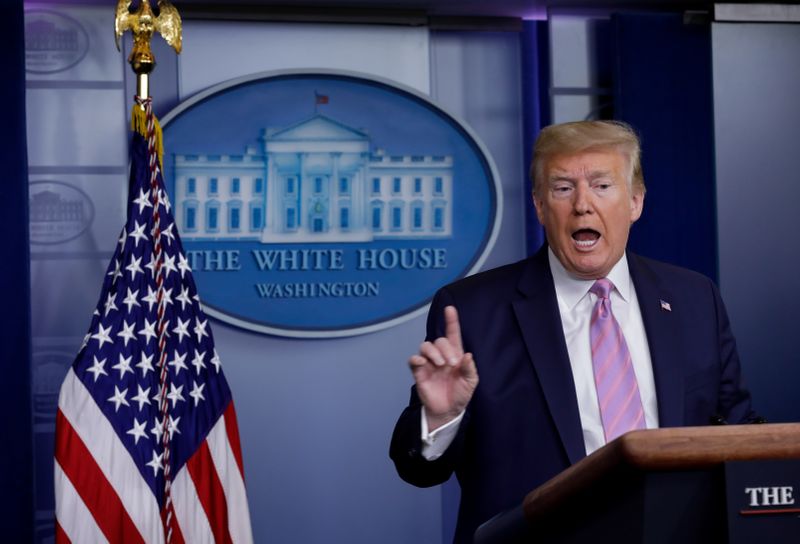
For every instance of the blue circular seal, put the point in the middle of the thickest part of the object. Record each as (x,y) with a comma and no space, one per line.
(326,204)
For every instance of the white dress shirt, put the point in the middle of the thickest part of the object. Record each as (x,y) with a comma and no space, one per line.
(575,304)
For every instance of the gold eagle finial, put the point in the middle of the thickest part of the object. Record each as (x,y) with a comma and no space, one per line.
(143,22)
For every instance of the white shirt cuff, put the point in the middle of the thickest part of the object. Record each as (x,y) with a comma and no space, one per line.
(435,443)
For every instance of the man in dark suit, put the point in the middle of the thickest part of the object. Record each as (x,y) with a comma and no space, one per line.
(574,346)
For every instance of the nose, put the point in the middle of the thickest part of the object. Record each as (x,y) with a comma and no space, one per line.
(582,203)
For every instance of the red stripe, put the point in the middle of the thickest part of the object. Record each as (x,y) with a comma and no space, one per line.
(232,430)
(95,490)
(61,536)
(209,490)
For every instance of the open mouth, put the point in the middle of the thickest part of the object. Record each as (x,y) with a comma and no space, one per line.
(585,238)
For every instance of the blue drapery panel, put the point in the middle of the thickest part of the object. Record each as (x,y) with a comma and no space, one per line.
(663,88)
(16,478)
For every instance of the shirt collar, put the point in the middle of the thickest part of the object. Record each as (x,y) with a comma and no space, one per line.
(571,290)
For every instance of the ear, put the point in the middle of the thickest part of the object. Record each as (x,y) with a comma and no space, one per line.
(637,203)
(537,203)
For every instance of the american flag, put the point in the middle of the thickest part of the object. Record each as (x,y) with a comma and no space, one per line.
(112,456)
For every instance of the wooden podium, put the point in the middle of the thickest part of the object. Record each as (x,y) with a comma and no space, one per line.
(679,485)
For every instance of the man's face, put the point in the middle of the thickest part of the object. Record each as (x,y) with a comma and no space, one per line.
(587,209)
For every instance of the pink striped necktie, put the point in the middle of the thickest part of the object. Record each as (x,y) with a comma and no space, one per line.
(617,392)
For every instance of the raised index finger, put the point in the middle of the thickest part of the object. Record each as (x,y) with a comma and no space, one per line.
(452,329)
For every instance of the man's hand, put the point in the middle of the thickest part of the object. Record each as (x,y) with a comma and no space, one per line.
(445,376)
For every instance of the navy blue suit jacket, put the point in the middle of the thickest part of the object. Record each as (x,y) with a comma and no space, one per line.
(522,426)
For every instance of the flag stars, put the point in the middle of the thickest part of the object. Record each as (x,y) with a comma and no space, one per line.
(183,298)
(150,299)
(138,430)
(200,328)
(127,332)
(181,329)
(143,200)
(109,303)
(142,397)
(178,362)
(215,361)
(98,368)
(175,394)
(116,272)
(183,264)
(102,335)
(169,265)
(138,233)
(131,299)
(146,364)
(172,428)
(167,233)
(124,365)
(155,463)
(118,398)
(157,430)
(122,238)
(151,264)
(197,392)
(134,267)
(149,331)
(197,362)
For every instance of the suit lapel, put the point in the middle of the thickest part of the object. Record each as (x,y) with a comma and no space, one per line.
(540,322)
(660,326)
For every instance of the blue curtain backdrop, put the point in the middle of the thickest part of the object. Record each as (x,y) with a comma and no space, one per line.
(16,478)
(663,87)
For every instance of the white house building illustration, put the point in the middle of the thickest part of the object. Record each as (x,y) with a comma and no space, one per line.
(316,181)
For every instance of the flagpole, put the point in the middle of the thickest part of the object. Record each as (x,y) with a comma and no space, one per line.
(143,22)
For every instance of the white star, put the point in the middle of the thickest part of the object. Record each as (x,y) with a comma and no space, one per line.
(138,233)
(183,264)
(183,298)
(134,267)
(155,463)
(145,363)
(167,233)
(110,304)
(215,361)
(166,297)
(150,299)
(118,398)
(127,332)
(97,368)
(178,362)
(102,335)
(180,329)
(175,394)
(157,397)
(138,430)
(197,362)
(151,264)
(86,338)
(141,397)
(197,393)
(122,237)
(169,265)
(164,199)
(124,365)
(116,272)
(149,331)
(157,430)
(172,428)
(143,200)
(200,328)
(130,299)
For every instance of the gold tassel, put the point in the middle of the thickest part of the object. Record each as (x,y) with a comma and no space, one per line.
(139,124)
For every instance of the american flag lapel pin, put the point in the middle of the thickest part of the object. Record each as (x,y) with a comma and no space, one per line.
(665,306)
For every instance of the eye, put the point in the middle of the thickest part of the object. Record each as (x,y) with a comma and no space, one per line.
(561,189)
